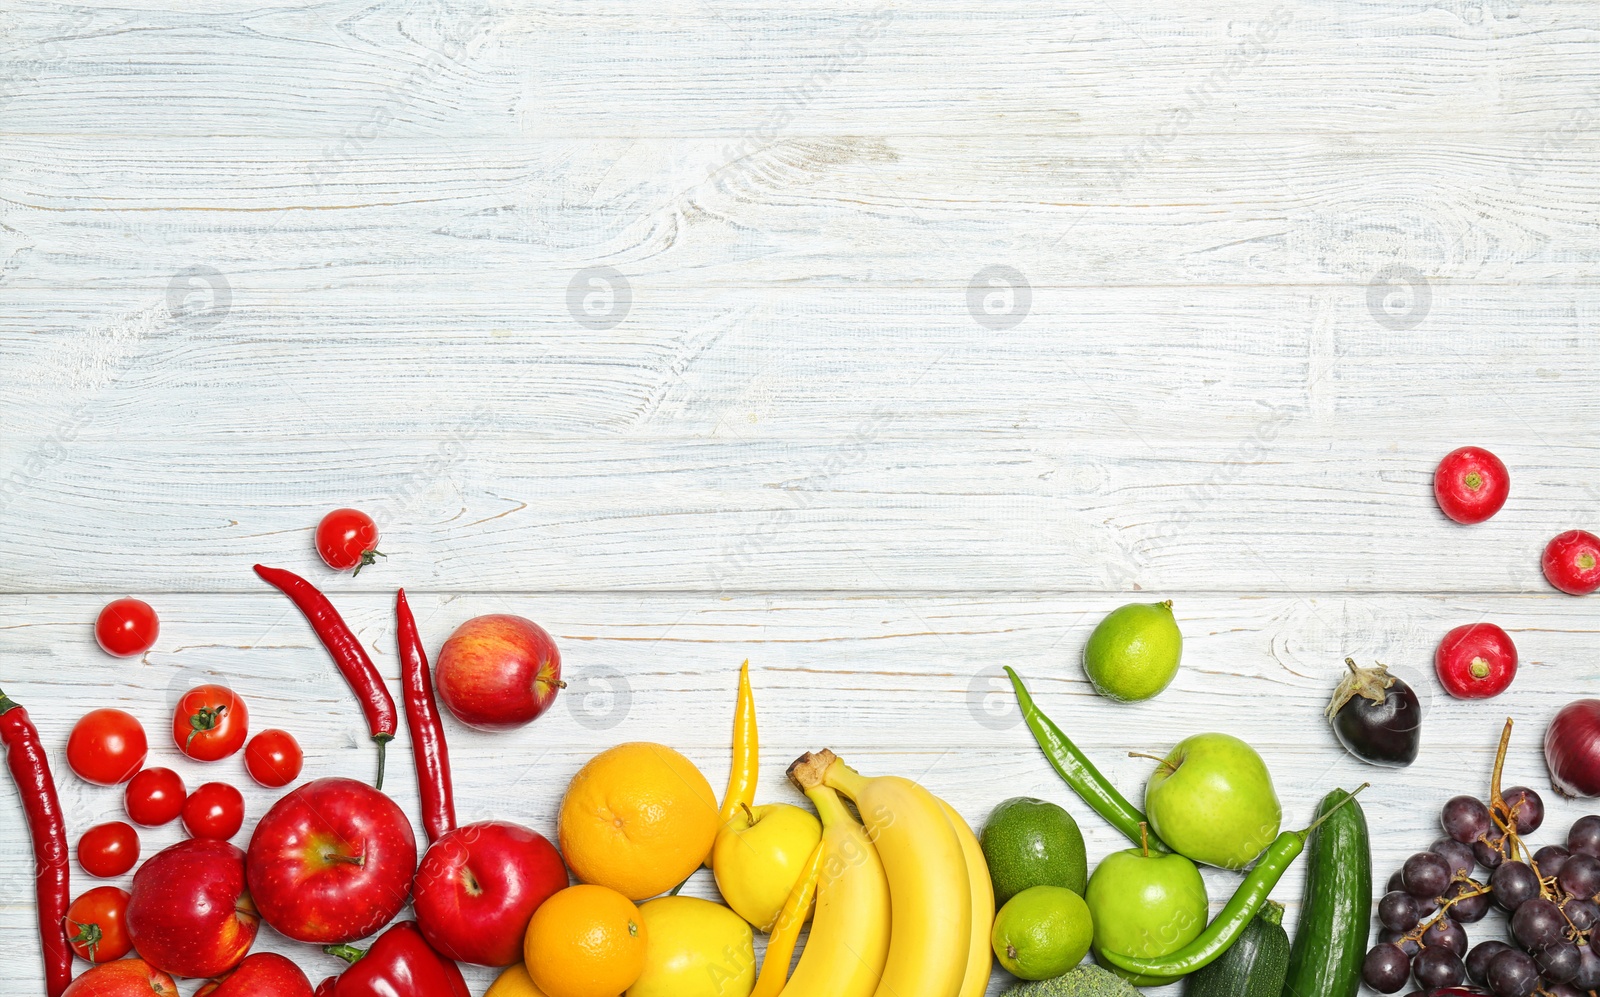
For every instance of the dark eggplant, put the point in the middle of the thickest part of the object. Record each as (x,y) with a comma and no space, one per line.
(1376,716)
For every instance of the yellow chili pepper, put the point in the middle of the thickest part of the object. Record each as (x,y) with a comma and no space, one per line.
(746,768)
(786,930)
(746,751)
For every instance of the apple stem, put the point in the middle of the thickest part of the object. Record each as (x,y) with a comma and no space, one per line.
(349,953)
(346,859)
(749,815)
(1171,768)
(1144,838)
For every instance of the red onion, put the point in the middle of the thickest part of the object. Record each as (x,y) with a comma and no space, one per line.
(1572,749)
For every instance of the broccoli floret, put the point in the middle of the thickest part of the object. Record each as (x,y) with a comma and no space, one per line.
(1084,981)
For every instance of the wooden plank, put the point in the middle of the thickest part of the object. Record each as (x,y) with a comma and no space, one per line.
(1275,511)
(437,220)
(339,68)
(901,683)
(1161,363)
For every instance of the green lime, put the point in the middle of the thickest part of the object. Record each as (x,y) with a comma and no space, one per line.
(1133,654)
(1029,842)
(1042,932)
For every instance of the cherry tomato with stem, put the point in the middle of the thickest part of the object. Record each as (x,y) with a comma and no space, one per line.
(273,758)
(215,810)
(1572,562)
(154,797)
(1476,661)
(96,925)
(348,538)
(210,723)
(1471,484)
(107,747)
(126,627)
(108,850)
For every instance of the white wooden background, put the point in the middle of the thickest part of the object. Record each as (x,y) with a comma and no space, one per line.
(1267,265)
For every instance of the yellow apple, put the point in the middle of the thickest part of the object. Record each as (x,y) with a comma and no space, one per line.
(759,854)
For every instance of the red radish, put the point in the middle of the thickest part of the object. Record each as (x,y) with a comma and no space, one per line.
(1572,562)
(1476,661)
(1471,485)
(1572,749)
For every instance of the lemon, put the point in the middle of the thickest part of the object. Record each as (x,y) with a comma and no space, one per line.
(1134,652)
(696,949)
(514,982)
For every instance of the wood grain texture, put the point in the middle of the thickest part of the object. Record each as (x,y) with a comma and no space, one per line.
(1266,265)
(1268,513)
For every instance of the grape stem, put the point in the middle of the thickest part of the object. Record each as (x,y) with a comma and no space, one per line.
(1511,847)
(1415,934)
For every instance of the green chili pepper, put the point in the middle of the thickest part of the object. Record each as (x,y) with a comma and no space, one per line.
(1226,927)
(1079,773)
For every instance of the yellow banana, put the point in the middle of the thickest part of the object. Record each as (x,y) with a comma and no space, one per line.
(980,953)
(849,940)
(786,929)
(928,885)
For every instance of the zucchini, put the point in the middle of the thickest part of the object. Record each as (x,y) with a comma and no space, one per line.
(1256,964)
(1336,915)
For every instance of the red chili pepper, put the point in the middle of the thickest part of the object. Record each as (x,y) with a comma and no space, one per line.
(347,652)
(399,964)
(427,732)
(52,868)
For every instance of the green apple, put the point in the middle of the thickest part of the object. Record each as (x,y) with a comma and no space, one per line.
(1147,905)
(1212,800)
(759,854)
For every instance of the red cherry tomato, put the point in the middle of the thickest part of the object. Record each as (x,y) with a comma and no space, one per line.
(126,627)
(96,927)
(107,747)
(273,758)
(210,723)
(215,810)
(1572,562)
(1476,661)
(348,538)
(1471,484)
(108,850)
(154,797)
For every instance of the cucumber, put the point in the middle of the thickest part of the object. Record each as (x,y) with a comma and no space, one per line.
(1331,940)
(1254,967)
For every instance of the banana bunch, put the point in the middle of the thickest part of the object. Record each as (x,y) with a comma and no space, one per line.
(903,904)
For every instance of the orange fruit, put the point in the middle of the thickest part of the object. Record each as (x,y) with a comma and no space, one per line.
(638,818)
(586,941)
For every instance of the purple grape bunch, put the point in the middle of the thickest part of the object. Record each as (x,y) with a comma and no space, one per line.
(1552,897)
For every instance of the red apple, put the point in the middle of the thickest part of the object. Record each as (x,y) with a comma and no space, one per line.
(332,862)
(264,974)
(123,978)
(498,672)
(190,913)
(478,888)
